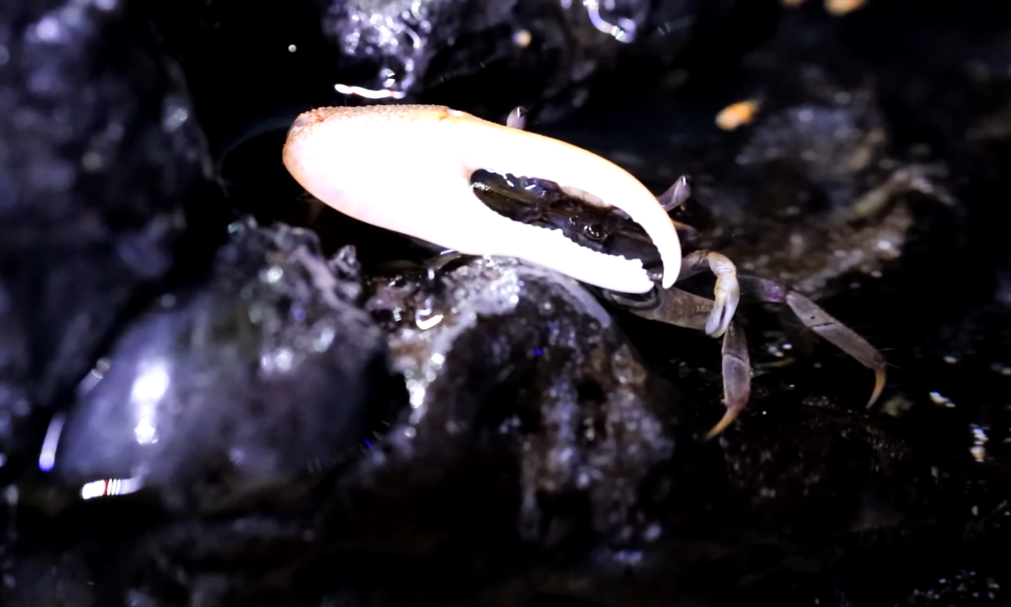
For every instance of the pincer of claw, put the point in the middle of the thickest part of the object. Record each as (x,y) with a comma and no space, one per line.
(407,168)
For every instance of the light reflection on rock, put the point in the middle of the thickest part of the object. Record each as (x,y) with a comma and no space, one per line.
(218,394)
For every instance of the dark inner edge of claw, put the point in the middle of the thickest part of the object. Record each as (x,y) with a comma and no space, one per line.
(542,203)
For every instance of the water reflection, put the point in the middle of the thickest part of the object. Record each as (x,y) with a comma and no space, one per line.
(149,387)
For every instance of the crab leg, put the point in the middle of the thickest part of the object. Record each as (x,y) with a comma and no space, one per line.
(677,194)
(682,309)
(768,291)
(736,377)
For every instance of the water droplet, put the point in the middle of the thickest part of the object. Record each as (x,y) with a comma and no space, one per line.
(979,440)
(652,533)
(48,29)
(175,114)
(416,391)
(941,400)
(272,274)
(884,245)
(92,161)
(628,557)
(622,29)
(323,336)
(280,360)
(522,38)
(425,320)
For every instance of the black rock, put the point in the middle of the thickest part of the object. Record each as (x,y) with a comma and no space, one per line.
(98,149)
(238,386)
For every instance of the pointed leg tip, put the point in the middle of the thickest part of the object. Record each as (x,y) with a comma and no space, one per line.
(879,386)
(728,418)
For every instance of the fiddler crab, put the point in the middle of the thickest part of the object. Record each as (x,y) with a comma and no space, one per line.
(485,189)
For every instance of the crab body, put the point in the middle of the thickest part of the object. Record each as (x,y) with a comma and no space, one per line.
(481,188)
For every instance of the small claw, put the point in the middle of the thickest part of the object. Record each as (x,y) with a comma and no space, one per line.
(727,294)
(727,297)
(736,378)
(682,309)
(842,337)
(677,194)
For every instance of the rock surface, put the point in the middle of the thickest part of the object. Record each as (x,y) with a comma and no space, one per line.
(98,151)
(235,386)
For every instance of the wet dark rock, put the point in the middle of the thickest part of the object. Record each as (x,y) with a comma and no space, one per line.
(963,587)
(236,386)
(490,60)
(761,519)
(513,355)
(529,52)
(531,428)
(98,149)
(486,58)
(55,579)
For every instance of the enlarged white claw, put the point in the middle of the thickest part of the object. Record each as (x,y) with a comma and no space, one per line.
(509,150)
(407,169)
